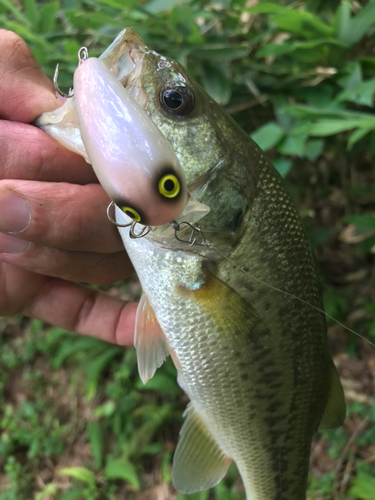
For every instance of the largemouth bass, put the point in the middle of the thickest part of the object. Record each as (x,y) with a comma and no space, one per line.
(238,311)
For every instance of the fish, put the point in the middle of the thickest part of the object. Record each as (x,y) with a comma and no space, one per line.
(137,167)
(231,294)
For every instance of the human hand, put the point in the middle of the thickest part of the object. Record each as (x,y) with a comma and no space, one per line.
(54,230)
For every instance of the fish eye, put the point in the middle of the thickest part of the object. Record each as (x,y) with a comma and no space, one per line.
(177,99)
(172,99)
(169,186)
(133,214)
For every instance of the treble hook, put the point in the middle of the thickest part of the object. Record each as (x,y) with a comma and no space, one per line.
(83,54)
(145,230)
(55,78)
(113,204)
(192,239)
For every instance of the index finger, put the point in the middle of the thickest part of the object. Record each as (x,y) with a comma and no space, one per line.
(26,91)
(26,94)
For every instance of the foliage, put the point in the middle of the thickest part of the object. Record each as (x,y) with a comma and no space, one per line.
(301,81)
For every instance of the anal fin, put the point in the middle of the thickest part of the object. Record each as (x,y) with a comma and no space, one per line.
(150,341)
(335,410)
(198,463)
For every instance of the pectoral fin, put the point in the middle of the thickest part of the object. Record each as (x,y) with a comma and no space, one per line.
(150,342)
(335,410)
(198,462)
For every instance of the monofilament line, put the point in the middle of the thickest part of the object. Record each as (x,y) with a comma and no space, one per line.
(210,245)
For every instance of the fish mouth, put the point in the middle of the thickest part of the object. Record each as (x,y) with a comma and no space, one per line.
(124,59)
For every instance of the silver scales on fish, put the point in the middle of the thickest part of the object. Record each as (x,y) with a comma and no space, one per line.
(235,301)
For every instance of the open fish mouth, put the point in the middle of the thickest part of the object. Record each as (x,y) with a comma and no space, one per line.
(124,59)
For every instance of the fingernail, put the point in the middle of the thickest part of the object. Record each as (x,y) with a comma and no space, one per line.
(15,213)
(11,244)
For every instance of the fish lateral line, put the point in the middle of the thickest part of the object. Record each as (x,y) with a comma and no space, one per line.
(210,245)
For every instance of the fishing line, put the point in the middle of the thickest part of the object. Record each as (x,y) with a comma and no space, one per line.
(210,245)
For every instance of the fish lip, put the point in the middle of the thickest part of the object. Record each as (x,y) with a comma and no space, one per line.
(124,59)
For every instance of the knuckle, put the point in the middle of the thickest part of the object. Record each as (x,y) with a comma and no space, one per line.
(12,44)
(109,269)
(7,153)
(72,225)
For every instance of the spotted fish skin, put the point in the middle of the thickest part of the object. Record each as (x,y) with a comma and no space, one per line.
(254,361)
(240,316)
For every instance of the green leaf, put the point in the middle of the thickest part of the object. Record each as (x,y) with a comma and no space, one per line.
(268,135)
(107,409)
(317,98)
(301,111)
(217,84)
(73,494)
(293,145)
(283,166)
(360,24)
(50,489)
(160,382)
(302,23)
(80,473)
(48,17)
(313,149)
(275,50)
(221,52)
(71,48)
(117,4)
(165,467)
(293,20)
(26,33)
(122,469)
(343,18)
(332,127)
(95,368)
(364,222)
(358,135)
(363,487)
(10,494)
(279,101)
(95,435)
(183,26)
(362,94)
(32,13)
(159,6)
(16,12)
(267,8)
(350,75)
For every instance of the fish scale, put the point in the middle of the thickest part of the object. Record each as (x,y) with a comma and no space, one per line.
(240,316)
(204,384)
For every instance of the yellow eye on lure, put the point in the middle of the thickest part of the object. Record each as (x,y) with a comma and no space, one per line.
(126,149)
(169,186)
(133,214)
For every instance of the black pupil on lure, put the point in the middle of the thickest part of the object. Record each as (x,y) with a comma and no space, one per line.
(129,214)
(169,185)
(173,100)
